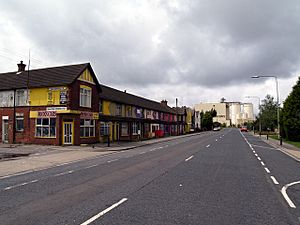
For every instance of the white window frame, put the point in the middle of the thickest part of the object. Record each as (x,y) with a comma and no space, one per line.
(19,118)
(42,127)
(118,110)
(134,128)
(124,129)
(85,97)
(104,129)
(88,127)
(20,97)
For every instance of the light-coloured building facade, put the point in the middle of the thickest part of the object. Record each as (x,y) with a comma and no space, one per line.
(229,113)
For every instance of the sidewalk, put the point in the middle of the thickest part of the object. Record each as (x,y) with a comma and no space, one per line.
(286,148)
(42,157)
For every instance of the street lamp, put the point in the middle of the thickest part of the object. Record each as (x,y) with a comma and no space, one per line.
(277,92)
(258,108)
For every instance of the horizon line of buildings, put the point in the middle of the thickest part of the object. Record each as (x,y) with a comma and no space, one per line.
(67,105)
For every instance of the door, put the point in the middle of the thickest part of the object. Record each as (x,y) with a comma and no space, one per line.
(67,133)
(5,131)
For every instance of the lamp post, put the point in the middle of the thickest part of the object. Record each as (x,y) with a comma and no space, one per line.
(258,108)
(277,92)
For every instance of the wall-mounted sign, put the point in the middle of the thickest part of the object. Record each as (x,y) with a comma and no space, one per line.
(89,115)
(139,112)
(46,114)
(63,97)
(56,108)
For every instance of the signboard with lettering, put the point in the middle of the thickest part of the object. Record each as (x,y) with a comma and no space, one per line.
(63,97)
(46,114)
(89,115)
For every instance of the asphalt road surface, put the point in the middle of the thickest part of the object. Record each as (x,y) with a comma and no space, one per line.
(222,177)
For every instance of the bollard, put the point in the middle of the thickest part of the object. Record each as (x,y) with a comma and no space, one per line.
(267,136)
(281,141)
(108,141)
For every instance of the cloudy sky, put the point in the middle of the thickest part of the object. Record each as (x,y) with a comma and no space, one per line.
(197,51)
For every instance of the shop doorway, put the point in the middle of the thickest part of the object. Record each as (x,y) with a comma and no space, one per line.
(5,131)
(68,133)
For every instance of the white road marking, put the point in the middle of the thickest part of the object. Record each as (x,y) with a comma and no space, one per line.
(283,192)
(259,158)
(19,185)
(267,170)
(64,173)
(104,212)
(216,139)
(88,167)
(165,146)
(256,155)
(207,146)
(113,160)
(253,151)
(262,163)
(189,158)
(274,180)
(142,153)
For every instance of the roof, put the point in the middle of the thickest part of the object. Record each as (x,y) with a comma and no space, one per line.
(115,95)
(46,77)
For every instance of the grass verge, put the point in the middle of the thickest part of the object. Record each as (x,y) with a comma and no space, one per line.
(295,143)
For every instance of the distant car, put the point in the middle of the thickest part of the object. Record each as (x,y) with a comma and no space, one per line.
(244,129)
(217,128)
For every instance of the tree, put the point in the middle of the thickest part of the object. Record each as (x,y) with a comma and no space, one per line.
(268,113)
(207,119)
(291,114)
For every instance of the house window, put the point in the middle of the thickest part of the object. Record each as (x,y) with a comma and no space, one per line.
(87,128)
(104,129)
(85,97)
(20,97)
(134,128)
(118,110)
(100,106)
(129,111)
(45,127)
(19,122)
(124,129)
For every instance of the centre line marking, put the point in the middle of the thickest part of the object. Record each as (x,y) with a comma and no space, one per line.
(274,180)
(189,158)
(207,146)
(104,212)
(142,153)
(113,160)
(267,170)
(216,139)
(259,158)
(256,155)
(262,163)
(88,167)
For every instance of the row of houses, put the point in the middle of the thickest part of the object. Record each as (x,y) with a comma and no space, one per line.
(67,105)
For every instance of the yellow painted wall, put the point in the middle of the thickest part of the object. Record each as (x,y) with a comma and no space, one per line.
(106,107)
(40,96)
(86,76)
(188,120)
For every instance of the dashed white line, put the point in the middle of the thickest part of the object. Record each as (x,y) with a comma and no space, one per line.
(274,180)
(216,139)
(113,160)
(88,167)
(267,170)
(142,153)
(64,173)
(104,212)
(189,158)
(253,151)
(259,158)
(256,155)
(19,185)
(262,163)
(207,146)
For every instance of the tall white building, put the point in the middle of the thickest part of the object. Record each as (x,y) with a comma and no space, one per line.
(230,113)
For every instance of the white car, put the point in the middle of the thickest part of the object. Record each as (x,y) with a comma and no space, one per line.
(217,128)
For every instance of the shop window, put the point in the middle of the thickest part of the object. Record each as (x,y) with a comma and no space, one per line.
(45,127)
(19,122)
(104,129)
(85,97)
(87,128)
(134,128)
(124,129)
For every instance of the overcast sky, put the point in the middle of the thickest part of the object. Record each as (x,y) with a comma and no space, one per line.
(197,51)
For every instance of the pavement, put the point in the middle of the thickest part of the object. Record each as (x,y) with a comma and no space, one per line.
(286,148)
(39,157)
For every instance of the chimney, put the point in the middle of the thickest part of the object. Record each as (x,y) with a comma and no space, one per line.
(21,67)
(164,102)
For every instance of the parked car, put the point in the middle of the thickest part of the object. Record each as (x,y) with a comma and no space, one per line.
(217,128)
(244,129)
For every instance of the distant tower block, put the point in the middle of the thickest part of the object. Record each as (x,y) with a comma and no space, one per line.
(248,111)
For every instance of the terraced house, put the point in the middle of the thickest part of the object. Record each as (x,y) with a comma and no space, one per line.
(66,105)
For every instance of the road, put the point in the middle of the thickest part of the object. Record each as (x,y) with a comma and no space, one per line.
(223,177)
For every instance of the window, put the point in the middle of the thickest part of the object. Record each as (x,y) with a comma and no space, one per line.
(124,129)
(100,106)
(19,122)
(87,128)
(85,97)
(104,129)
(20,97)
(45,127)
(129,111)
(118,110)
(134,128)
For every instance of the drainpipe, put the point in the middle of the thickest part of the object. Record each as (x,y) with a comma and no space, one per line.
(14,118)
